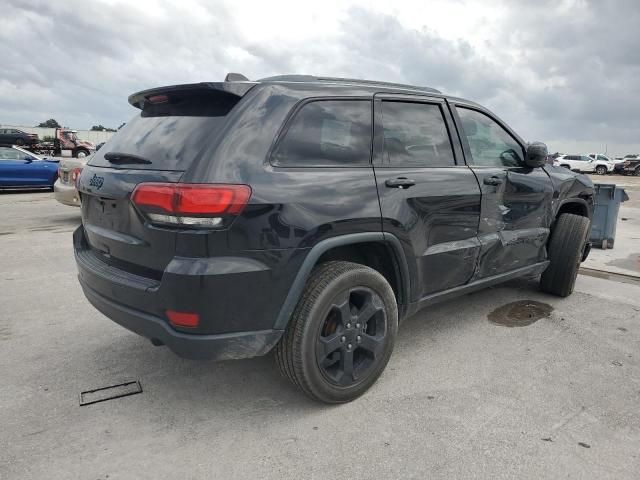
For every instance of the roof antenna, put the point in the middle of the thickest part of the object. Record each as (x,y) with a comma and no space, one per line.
(235,77)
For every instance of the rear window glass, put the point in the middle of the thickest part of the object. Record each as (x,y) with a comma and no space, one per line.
(327,133)
(169,135)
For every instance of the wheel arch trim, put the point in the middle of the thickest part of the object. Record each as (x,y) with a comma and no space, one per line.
(575,201)
(310,261)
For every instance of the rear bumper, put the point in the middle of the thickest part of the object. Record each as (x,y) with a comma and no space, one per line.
(213,347)
(236,298)
(66,194)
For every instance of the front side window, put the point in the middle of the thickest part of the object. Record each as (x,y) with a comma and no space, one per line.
(327,133)
(415,135)
(490,144)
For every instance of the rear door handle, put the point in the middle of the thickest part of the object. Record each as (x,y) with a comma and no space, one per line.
(400,182)
(495,181)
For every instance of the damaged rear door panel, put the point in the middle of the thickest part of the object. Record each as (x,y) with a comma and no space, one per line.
(516,205)
(429,198)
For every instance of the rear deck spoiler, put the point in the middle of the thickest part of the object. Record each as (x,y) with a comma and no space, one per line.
(235,88)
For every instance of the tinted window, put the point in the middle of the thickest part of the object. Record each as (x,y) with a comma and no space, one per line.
(327,133)
(490,144)
(415,134)
(170,135)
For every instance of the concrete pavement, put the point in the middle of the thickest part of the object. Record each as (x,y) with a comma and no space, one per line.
(461,398)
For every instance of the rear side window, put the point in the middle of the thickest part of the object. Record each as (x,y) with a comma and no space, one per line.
(173,134)
(334,133)
(415,135)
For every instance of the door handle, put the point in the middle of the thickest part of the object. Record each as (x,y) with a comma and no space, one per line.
(495,181)
(400,182)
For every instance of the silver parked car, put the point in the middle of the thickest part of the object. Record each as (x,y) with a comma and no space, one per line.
(68,173)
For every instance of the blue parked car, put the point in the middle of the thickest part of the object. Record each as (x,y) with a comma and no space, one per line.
(22,169)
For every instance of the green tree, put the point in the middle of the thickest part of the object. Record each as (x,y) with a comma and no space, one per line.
(51,123)
(101,128)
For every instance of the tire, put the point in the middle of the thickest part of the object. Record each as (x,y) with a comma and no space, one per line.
(601,170)
(19,142)
(566,166)
(82,153)
(346,316)
(636,172)
(565,249)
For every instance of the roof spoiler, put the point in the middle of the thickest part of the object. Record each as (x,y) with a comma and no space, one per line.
(230,86)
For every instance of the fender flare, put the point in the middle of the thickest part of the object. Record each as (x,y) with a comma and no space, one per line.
(576,200)
(297,287)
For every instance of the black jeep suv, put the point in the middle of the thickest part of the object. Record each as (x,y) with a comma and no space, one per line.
(311,215)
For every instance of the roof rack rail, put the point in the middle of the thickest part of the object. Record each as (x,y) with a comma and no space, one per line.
(312,78)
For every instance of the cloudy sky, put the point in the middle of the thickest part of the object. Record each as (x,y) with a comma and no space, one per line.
(563,71)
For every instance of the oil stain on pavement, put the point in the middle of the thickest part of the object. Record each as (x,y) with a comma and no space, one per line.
(520,313)
(632,262)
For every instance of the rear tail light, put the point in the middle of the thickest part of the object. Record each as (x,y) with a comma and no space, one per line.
(75,176)
(190,204)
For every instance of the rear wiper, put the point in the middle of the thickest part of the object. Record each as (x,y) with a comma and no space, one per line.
(125,158)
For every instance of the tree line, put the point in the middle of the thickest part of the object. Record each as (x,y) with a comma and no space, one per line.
(53,123)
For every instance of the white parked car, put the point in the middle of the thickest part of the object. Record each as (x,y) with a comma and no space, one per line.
(68,173)
(584,163)
(611,161)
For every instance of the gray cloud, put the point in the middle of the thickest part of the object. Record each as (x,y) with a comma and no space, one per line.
(566,72)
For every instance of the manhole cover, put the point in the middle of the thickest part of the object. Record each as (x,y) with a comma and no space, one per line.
(520,313)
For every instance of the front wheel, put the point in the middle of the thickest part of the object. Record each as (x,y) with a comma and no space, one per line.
(566,247)
(341,334)
(19,142)
(82,154)
(601,170)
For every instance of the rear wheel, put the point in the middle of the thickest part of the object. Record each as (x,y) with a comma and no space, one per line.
(341,334)
(637,172)
(601,170)
(566,247)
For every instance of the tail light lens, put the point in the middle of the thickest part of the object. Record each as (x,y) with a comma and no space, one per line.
(75,176)
(190,204)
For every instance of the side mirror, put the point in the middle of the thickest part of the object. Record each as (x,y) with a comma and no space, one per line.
(536,155)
